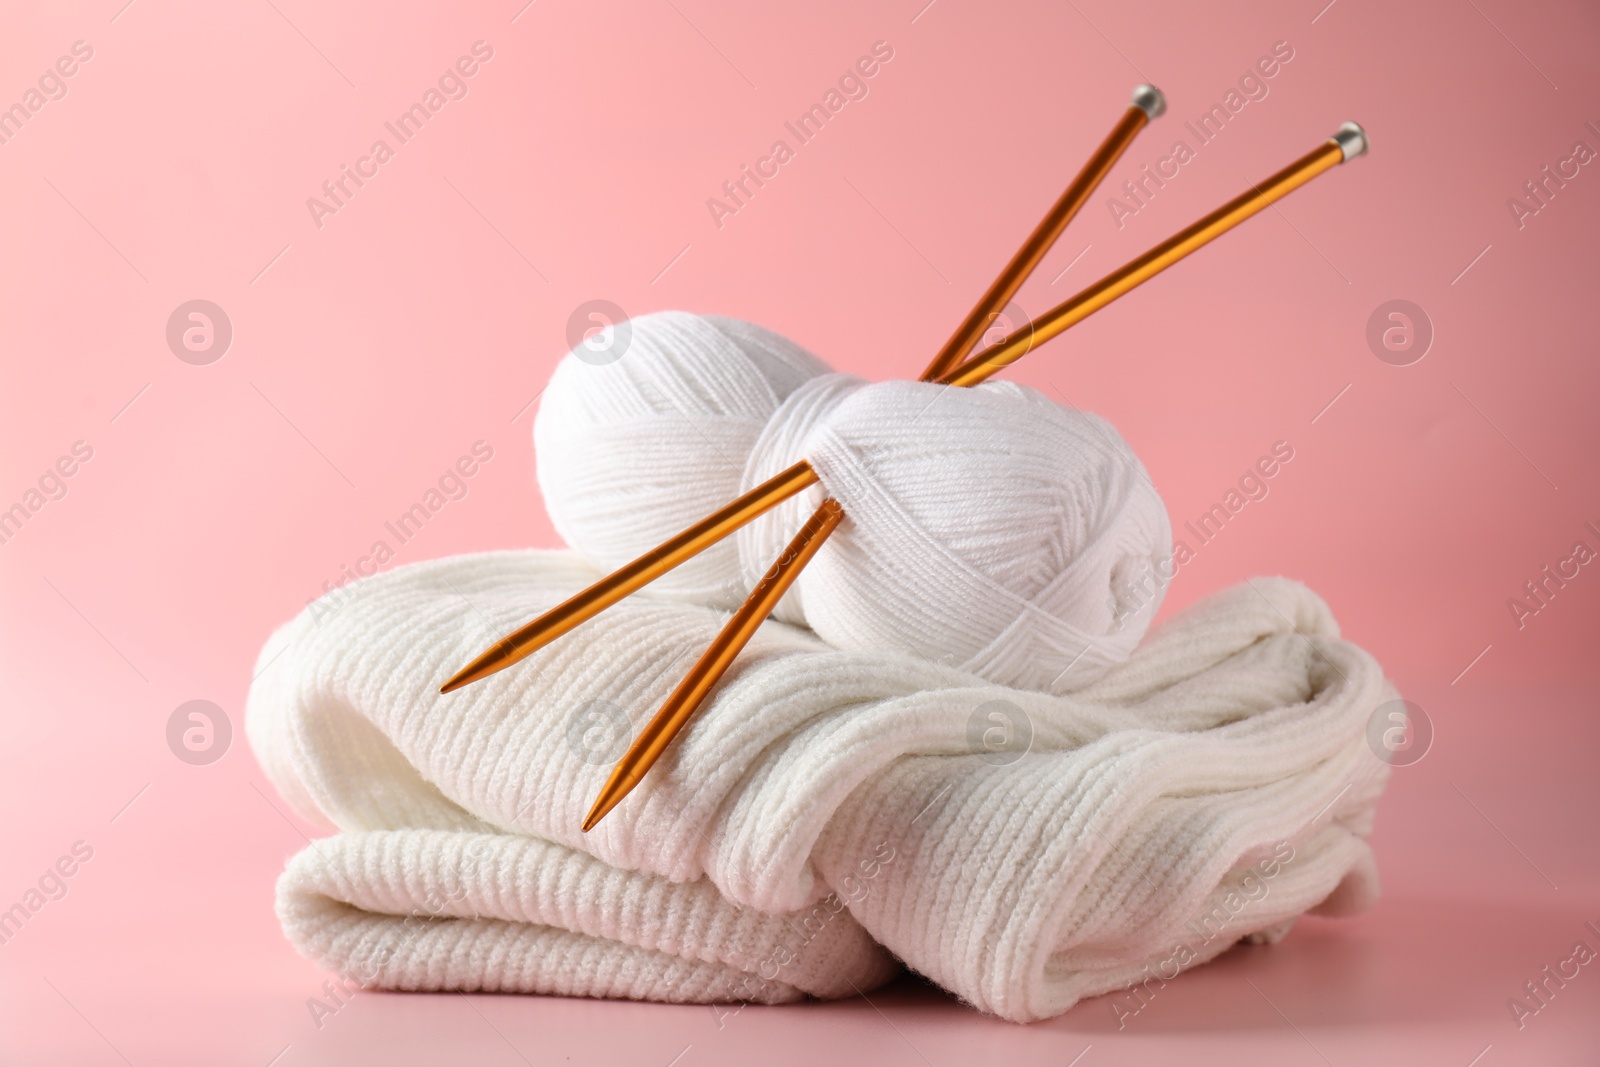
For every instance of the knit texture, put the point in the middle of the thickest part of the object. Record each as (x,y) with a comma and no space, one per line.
(824,810)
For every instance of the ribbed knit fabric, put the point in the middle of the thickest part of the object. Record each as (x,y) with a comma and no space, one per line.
(823,810)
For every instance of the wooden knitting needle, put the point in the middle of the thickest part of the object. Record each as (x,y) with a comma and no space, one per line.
(1148,103)
(1350,141)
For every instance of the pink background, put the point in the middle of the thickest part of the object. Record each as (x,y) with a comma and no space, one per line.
(427,313)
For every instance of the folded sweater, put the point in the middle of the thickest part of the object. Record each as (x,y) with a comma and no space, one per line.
(826,813)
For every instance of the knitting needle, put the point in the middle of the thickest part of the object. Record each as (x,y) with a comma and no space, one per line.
(631,577)
(1148,103)
(1350,141)
(729,642)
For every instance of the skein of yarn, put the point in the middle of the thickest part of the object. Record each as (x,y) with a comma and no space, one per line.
(989,529)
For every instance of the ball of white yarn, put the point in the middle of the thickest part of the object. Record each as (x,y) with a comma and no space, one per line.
(989,529)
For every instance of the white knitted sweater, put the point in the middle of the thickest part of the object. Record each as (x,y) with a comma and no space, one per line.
(823,811)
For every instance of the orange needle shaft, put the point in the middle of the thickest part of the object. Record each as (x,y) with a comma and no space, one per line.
(686,699)
(634,576)
(1148,103)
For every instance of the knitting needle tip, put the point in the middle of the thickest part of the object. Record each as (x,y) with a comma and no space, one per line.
(620,785)
(496,659)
